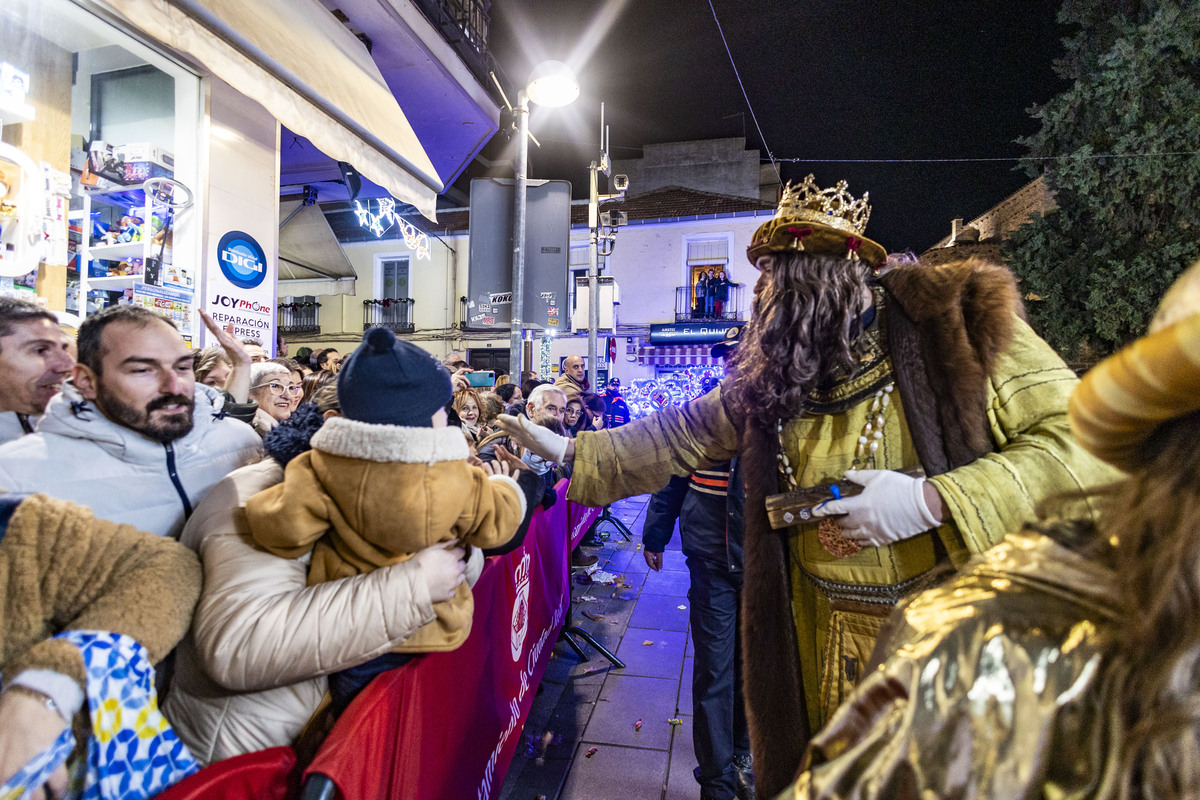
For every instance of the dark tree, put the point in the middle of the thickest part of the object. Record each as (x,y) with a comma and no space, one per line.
(1120,150)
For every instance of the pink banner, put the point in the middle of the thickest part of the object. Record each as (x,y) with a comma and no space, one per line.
(580,518)
(447,725)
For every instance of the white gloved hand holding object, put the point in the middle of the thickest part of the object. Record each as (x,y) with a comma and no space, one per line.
(542,441)
(891,508)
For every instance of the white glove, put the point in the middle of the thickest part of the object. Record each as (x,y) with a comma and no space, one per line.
(891,508)
(542,441)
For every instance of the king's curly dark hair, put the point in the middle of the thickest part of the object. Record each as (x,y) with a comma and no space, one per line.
(806,326)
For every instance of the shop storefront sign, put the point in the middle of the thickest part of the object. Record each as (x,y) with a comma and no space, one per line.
(690,332)
(242,260)
(241,292)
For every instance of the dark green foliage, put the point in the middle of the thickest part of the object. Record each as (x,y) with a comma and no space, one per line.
(1126,224)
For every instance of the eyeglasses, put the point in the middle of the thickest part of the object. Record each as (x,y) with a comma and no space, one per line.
(278,389)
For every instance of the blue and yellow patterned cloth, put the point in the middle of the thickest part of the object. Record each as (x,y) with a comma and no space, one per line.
(133,752)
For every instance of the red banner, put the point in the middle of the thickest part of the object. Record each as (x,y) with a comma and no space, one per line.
(447,725)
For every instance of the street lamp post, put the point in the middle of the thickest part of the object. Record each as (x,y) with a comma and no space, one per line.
(601,236)
(551,84)
(515,347)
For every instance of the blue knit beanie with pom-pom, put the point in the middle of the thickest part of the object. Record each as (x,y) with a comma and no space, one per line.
(291,437)
(387,381)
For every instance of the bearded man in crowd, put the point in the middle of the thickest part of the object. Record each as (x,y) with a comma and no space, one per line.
(918,389)
(131,436)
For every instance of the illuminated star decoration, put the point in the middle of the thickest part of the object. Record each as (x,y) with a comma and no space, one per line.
(385,217)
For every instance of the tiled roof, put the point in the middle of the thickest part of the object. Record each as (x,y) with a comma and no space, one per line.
(458,219)
(674,202)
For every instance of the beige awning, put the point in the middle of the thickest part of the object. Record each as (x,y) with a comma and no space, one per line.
(296,60)
(311,261)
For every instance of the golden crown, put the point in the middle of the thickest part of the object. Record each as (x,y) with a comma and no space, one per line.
(834,207)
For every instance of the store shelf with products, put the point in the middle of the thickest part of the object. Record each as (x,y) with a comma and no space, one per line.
(114,282)
(124,244)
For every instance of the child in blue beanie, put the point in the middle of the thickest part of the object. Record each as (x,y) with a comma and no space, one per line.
(385,480)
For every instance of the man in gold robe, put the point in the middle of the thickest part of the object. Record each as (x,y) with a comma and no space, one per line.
(921,386)
(1062,662)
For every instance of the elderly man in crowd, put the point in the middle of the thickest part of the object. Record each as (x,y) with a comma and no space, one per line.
(573,381)
(545,399)
(35,358)
(131,435)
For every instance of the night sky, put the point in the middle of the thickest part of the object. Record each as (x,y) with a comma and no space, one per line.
(828,79)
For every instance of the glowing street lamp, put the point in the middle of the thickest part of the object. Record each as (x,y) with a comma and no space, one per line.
(551,84)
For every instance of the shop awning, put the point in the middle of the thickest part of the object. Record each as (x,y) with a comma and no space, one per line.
(302,65)
(679,355)
(311,261)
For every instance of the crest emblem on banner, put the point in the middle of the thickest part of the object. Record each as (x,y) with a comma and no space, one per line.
(520,615)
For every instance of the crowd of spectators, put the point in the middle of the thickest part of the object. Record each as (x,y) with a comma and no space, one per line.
(128,472)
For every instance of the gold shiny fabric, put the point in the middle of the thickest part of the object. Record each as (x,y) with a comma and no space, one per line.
(1001,686)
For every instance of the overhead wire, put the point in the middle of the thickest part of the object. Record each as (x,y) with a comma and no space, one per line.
(742,86)
(1012,159)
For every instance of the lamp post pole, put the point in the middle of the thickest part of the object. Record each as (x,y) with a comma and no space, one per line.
(593,272)
(516,346)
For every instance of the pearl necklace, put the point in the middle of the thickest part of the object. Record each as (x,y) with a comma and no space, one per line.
(868,441)
(872,433)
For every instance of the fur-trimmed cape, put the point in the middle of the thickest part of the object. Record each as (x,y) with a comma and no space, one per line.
(946,326)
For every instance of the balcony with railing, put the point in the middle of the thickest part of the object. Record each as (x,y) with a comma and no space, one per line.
(464,25)
(299,318)
(395,315)
(690,308)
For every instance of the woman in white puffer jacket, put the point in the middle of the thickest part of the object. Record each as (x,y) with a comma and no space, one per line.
(252,672)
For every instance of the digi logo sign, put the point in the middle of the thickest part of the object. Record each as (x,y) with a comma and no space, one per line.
(242,259)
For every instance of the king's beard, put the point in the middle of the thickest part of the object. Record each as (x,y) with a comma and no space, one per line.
(804,333)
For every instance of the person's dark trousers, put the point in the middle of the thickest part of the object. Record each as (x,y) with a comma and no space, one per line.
(719,724)
(344,686)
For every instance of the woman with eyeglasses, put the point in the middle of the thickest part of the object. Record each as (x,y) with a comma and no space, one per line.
(573,417)
(297,374)
(466,404)
(273,388)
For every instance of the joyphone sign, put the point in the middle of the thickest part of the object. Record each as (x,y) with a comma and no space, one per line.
(242,259)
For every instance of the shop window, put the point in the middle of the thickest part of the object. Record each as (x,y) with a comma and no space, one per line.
(106,115)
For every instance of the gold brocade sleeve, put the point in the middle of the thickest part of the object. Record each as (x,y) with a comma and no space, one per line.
(1003,684)
(642,456)
(1037,457)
